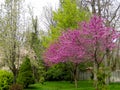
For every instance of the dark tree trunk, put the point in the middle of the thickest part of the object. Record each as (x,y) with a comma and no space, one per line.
(15,72)
(76,75)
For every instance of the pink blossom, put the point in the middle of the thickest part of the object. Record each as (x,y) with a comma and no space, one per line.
(80,45)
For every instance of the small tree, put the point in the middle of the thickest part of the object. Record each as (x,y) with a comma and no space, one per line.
(69,49)
(88,43)
(66,17)
(25,76)
(101,40)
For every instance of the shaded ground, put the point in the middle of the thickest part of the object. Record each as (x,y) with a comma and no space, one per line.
(65,85)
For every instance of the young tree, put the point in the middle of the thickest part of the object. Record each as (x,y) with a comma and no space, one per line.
(36,45)
(63,51)
(25,76)
(110,10)
(11,35)
(102,40)
(88,43)
(66,17)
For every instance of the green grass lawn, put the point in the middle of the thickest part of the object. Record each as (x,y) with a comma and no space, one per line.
(64,85)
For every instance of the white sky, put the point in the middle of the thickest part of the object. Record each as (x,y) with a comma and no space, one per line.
(39,4)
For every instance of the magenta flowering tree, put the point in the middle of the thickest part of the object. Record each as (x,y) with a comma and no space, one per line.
(101,42)
(90,42)
(69,48)
(100,37)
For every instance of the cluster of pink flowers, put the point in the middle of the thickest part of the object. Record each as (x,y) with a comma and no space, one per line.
(80,45)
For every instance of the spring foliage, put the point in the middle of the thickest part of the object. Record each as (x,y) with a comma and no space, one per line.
(89,42)
(6,79)
(66,17)
(25,76)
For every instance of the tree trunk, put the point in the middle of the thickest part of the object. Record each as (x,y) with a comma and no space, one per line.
(14,78)
(15,72)
(107,65)
(76,75)
(76,82)
(14,75)
(95,70)
(95,74)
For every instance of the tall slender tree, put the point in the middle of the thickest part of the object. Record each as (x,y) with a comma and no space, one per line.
(66,17)
(37,47)
(11,35)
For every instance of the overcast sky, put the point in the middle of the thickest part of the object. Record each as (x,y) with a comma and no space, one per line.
(39,4)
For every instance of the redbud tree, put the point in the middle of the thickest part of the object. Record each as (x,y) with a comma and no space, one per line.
(90,42)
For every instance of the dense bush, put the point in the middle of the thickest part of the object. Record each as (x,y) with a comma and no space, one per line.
(42,79)
(25,76)
(6,79)
(16,87)
(62,71)
(58,72)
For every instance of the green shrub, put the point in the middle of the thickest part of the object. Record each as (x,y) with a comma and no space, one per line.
(42,79)
(58,72)
(25,76)
(16,87)
(6,79)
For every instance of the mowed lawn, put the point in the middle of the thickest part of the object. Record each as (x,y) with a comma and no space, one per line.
(66,85)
